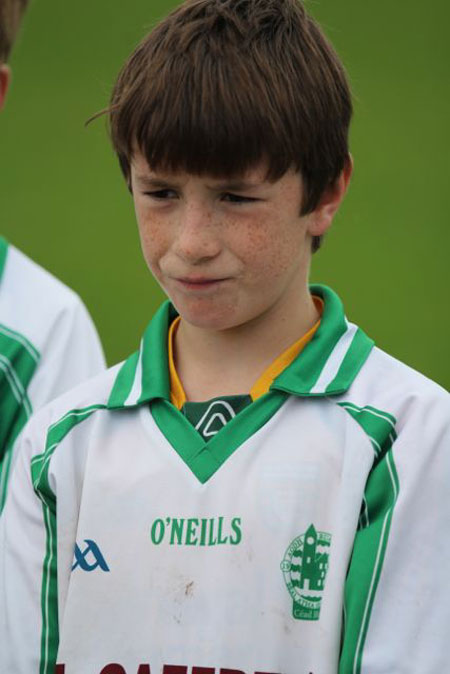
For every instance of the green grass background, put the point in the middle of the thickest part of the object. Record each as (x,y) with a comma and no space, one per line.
(64,203)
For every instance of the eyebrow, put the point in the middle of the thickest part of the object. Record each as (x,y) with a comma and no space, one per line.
(155,183)
(226,186)
(235,186)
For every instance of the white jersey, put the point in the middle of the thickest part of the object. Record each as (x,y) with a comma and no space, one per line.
(48,344)
(302,538)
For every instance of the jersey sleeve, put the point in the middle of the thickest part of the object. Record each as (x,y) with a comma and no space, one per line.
(397,597)
(36,545)
(24,555)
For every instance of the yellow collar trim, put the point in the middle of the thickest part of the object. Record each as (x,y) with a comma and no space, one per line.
(177,394)
(263,384)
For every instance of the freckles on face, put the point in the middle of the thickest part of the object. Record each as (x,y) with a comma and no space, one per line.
(223,254)
(153,237)
(278,243)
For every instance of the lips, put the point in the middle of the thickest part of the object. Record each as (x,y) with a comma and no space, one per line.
(199,282)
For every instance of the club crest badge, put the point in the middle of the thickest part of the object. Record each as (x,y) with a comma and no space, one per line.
(304,568)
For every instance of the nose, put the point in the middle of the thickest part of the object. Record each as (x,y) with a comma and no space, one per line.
(197,237)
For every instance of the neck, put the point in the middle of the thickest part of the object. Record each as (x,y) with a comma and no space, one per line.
(211,363)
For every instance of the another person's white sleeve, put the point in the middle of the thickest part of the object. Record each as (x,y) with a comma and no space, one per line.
(71,354)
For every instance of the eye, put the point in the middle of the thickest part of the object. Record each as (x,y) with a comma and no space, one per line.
(237,198)
(162,195)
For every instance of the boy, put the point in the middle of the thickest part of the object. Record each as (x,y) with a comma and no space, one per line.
(47,340)
(258,488)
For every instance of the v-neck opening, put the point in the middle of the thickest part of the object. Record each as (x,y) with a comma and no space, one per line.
(204,458)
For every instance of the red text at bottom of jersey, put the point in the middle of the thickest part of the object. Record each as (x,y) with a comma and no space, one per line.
(115,668)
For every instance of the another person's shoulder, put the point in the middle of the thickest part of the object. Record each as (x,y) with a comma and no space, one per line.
(46,327)
(31,298)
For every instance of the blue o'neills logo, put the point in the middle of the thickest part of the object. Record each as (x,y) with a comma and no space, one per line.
(304,568)
(90,558)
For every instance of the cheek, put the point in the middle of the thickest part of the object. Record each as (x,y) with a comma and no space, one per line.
(271,250)
(154,243)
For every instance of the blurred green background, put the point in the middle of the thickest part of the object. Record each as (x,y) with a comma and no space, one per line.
(64,203)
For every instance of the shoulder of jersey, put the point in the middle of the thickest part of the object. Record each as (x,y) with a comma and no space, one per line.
(388,384)
(32,300)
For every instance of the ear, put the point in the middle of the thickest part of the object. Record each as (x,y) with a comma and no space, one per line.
(5,77)
(322,217)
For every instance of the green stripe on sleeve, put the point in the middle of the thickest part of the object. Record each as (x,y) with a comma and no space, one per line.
(18,362)
(49,590)
(49,594)
(371,539)
(379,426)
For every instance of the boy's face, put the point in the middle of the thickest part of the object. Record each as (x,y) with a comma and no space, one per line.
(226,252)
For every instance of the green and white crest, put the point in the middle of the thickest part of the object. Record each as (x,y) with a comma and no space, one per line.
(304,568)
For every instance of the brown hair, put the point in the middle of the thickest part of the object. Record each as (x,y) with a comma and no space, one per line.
(10,16)
(220,85)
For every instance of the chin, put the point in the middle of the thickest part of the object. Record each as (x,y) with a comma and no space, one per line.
(207,315)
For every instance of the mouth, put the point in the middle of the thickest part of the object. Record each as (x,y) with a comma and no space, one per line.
(199,282)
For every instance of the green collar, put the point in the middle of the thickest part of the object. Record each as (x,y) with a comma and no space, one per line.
(326,366)
(3,254)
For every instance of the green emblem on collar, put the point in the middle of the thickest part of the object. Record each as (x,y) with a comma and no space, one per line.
(304,568)
(209,417)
